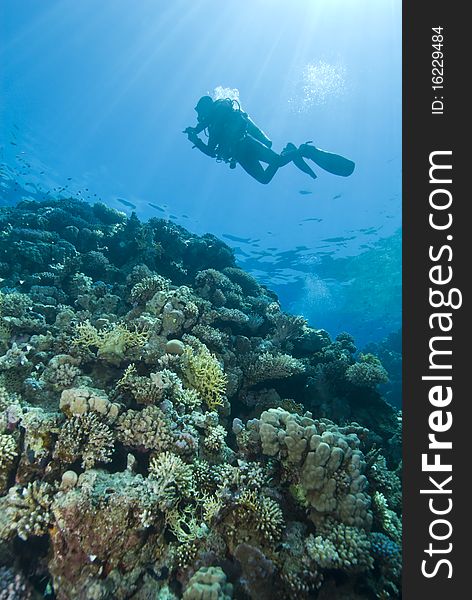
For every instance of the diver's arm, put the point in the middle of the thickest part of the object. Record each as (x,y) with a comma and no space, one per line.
(207,149)
(197,129)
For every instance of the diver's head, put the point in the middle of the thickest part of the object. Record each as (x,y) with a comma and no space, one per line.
(204,106)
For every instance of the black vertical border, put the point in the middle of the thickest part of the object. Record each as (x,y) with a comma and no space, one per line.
(424,133)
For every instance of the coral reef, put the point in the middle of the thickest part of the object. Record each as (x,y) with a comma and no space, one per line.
(167,431)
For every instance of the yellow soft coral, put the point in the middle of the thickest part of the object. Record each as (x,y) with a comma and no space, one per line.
(111,342)
(203,373)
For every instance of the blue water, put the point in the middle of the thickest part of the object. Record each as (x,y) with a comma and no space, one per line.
(95,96)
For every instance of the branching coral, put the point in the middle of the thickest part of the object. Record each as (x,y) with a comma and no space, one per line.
(148,429)
(14,304)
(29,509)
(145,289)
(260,513)
(268,366)
(338,546)
(202,372)
(216,287)
(86,437)
(150,390)
(368,372)
(173,478)
(61,372)
(111,342)
(8,454)
(287,505)
(387,519)
(215,439)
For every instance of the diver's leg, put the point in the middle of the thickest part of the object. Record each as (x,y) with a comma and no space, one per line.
(289,154)
(264,154)
(254,168)
(297,159)
(250,155)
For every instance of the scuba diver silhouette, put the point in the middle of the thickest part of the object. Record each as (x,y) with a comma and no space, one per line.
(233,137)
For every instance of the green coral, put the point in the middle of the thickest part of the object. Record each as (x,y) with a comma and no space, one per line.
(258,514)
(112,341)
(202,372)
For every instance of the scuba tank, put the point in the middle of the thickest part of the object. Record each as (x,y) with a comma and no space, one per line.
(229,127)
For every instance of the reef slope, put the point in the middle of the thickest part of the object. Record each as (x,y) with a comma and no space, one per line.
(167,431)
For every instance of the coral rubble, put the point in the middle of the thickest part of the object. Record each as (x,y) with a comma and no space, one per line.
(167,431)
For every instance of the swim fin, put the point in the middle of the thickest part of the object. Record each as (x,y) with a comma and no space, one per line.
(333,163)
(297,159)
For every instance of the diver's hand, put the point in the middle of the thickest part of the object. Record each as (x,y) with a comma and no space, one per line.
(191,134)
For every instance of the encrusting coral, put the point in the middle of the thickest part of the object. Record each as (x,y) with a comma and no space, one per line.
(167,431)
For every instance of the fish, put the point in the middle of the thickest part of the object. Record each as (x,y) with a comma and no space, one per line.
(304,192)
(157,207)
(234,238)
(125,202)
(339,239)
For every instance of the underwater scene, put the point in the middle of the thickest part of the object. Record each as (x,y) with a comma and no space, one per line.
(200,300)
